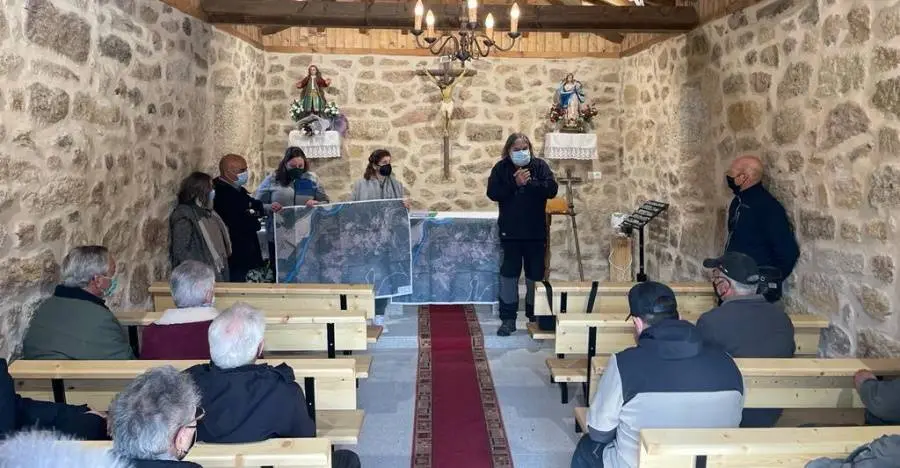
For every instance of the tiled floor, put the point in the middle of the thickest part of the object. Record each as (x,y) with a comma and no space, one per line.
(540,429)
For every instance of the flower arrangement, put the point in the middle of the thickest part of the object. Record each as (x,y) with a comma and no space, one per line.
(331,110)
(296,110)
(555,114)
(587,113)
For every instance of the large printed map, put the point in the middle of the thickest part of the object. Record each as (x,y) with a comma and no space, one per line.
(456,258)
(352,243)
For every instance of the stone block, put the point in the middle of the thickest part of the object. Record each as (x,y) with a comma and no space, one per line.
(834,342)
(875,344)
(769,56)
(116,48)
(29,271)
(760,82)
(67,34)
(887,96)
(847,193)
(788,125)
(774,9)
(843,122)
(822,292)
(840,261)
(734,84)
(370,93)
(48,105)
(875,303)
(877,229)
(887,22)
(841,74)
(139,284)
(795,81)
(884,186)
(11,65)
(815,225)
(483,132)
(858,21)
(882,267)
(744,115)
(850,233)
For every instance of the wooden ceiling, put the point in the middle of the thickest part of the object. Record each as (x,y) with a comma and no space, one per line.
(552,28)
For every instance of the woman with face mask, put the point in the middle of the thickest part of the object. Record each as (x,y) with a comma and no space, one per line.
(521,184)
(378,183)
(196,232)
(292,184)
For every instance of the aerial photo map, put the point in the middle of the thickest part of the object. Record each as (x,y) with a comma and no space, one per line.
(364,242)
(456,258)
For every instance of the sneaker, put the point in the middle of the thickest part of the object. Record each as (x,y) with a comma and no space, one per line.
(378,321)
(507,328)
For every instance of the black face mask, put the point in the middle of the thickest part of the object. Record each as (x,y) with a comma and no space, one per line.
(385,170)
(735,188)
(296,172)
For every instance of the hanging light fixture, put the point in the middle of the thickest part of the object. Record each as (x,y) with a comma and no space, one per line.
(468,43)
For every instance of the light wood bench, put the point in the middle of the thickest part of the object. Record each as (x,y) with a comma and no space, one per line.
(792,384)
(574,296)
(329,386)
(608,332)
(294,453)
(734,448)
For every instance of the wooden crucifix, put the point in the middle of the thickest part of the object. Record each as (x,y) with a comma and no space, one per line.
(446,80)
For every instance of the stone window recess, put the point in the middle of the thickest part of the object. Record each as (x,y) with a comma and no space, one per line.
(581,146)
(324,145)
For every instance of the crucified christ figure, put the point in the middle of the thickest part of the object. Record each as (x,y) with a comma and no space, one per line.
(446,83)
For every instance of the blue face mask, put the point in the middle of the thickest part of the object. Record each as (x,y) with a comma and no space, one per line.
(212,195)
(242,178)
(113,284)
(521,157)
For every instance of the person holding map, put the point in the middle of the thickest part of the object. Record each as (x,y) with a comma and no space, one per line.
(521,184)
(379,184)
(292,184)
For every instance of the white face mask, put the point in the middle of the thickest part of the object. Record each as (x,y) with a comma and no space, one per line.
(521,157)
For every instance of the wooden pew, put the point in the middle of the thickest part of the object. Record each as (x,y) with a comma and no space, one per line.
(574,296)
(294,453)
(742,448)
(608,332)
(297,331)
(798,383)
(329,386)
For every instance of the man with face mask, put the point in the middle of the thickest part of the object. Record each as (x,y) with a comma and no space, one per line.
(521,184)
(241,213)
(75,323)
(670,379)
(746,325)
(758,225)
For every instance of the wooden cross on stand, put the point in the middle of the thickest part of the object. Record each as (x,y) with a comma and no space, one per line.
(446,79)
(569,181)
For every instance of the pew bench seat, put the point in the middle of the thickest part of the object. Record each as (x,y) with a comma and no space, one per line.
(363,361)
(573,296)
(294,453)
(373,333)
(341,427)
(537,334)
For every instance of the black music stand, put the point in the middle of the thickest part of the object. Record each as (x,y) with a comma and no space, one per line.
(637,220)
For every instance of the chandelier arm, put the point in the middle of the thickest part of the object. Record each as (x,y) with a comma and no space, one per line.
(444,41)
(496,45)
(477,40)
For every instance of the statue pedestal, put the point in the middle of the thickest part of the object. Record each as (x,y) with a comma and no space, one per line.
(581,146)
(324,145)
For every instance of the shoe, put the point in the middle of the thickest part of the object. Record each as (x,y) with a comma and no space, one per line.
(529,312)
(507,328)
(378,321)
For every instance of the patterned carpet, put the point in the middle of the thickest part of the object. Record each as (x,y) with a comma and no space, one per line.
(457,418)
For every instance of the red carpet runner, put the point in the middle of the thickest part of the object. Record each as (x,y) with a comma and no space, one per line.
(457,420)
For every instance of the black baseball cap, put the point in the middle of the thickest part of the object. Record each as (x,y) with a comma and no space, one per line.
(651,298)
(737,266)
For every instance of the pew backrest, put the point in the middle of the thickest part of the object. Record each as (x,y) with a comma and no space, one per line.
(732,448)
(294,453)
(573,296)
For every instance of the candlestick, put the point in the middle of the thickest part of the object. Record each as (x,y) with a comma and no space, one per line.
(473,11)
(429,22)
(514,18)
(419,10)
(489,26)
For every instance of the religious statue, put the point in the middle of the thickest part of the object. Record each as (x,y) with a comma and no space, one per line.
(569,97)
(312,94)
(446,85)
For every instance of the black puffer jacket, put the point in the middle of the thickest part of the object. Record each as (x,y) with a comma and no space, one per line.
(522,209)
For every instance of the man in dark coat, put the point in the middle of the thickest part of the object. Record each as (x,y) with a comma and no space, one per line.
(758,225)
(241,213)
(17,413)
(521,184)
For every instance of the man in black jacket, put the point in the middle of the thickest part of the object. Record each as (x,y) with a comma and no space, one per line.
(241,213)
(245,401)
(758,225)
(17,413)
(521,184)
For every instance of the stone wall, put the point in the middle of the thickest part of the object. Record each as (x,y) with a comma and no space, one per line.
(389,106)
(105,106)
(812,87)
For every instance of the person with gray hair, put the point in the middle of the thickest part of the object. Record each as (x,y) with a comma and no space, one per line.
(153,421)
(746,325)
(45,449)
(75,322)
(245,401)
(180,333)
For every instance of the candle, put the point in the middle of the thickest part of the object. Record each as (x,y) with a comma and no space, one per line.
(473,11)
(514,18)
(419,10)
(429,21)
(489,26)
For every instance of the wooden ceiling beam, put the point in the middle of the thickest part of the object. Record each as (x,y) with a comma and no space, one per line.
(269,30)
(549,18)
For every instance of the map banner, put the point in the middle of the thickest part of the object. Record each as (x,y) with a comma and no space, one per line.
(364,242)
(455,258)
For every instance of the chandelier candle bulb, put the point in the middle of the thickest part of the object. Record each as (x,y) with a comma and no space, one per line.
(473,11)
(514,18)
(489,26)
(429,22)
(419,10)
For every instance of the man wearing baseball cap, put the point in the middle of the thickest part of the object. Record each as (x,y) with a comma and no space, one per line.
(671,379)
(746,325)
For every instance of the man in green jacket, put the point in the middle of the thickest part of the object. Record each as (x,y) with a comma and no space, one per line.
(75,323)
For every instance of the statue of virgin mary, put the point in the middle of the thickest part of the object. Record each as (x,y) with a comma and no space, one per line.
(569,97)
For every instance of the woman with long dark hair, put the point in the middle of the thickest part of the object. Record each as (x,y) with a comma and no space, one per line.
(378,183)
(292,184)
(521,184)
(196,232)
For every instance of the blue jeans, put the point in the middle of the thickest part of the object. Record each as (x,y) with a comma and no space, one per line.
(588,454)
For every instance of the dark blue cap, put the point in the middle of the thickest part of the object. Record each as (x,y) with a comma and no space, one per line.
(651,298)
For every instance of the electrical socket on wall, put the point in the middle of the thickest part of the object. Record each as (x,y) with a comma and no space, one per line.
(596,175)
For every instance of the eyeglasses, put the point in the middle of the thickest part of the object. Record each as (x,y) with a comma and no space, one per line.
(198,415)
